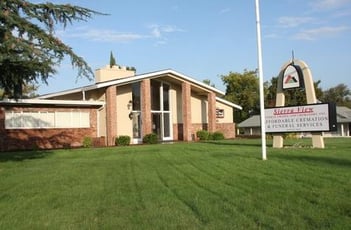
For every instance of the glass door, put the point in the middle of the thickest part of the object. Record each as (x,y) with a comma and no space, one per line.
(161,115)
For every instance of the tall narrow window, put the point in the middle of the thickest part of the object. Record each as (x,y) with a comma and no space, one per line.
(136,96)
(155,95)
(136,114)
(165,97)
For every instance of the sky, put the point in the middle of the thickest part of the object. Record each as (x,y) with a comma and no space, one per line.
(207,39)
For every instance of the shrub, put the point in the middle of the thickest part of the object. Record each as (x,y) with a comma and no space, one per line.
(122,140)
(217,136)
(202,135)
(87,142)
(150,138)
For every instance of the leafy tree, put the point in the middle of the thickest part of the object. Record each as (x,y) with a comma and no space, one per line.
(292,96)
(29,49)
(340,95)
(243,89)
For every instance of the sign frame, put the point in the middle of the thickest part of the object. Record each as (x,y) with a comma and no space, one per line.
(293,73)
(319,117)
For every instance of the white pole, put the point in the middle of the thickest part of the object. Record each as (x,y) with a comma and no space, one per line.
(260,74)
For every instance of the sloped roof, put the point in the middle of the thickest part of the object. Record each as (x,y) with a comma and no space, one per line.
(343,114)
(127,80)
(253,121)
(79,103)
(135,78)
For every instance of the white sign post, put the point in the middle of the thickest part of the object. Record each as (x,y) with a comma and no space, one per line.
(285,81)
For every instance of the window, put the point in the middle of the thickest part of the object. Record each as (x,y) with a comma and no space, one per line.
(136,96)
(35,120)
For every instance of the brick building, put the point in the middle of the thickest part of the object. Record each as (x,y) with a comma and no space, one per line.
(168,103)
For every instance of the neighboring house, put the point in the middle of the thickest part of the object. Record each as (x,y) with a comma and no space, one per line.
(168,103)
(251,126)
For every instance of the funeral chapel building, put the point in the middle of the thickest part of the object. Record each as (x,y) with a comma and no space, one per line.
(166,102)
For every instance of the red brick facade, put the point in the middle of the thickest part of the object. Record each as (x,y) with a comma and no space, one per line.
(146,107)
(228,130)
(111,115)
(211,98)
(48,138)
(186,107)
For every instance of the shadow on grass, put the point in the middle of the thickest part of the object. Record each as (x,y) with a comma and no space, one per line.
(23,155)
(315,159)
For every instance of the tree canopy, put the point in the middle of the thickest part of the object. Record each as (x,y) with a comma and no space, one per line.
(295,96)
(242,89)
(29,49)
(340,95)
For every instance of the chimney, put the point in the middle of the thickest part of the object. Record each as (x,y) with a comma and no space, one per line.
(108,73)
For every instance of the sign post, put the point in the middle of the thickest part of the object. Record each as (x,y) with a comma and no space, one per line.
(296,74)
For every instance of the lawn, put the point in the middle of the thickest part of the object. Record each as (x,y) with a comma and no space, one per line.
(213,185)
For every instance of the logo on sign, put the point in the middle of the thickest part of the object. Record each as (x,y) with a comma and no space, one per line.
(292,77)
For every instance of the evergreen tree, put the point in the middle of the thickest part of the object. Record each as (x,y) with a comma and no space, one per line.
(29,49)
(112,60)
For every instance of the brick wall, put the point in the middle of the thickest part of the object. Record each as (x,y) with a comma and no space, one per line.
(228,129)
(146,107)
(111,115)
(211,111)
(186,108)
(22,139)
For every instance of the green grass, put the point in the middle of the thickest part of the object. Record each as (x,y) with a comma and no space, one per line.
(211,185)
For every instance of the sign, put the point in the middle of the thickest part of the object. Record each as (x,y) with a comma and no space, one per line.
(292,77)
(219,113)
(305,118)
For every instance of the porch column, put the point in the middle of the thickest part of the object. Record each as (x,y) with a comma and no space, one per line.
(211,98)
(186,107)
(111,115)
(146,122)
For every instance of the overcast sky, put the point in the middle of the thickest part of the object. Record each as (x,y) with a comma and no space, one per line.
(206,39)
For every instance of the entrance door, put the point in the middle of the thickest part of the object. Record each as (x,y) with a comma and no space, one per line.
(156,125)
(161,125)
(160,110)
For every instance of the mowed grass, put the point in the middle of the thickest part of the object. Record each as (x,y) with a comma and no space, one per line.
(213,185)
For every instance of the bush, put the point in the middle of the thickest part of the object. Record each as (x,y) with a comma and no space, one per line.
(202,135)
(217,136)
(122,140)
(150,138)
(87,142)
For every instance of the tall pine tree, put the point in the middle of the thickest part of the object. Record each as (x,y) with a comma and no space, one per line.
(112,60)
(29,50)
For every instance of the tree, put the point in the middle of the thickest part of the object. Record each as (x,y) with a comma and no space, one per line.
(208,82)
(340,95)
(112,60)
(29,49)
(292,96)
(28,91)
(243,89)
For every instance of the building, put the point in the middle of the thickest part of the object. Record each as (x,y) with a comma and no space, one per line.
(166,102)
(252,126)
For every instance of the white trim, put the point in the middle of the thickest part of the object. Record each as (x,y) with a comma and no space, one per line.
(126,80)
(228,103)
(52,102)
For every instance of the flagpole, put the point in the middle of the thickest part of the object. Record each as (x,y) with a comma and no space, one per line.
(260,74)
